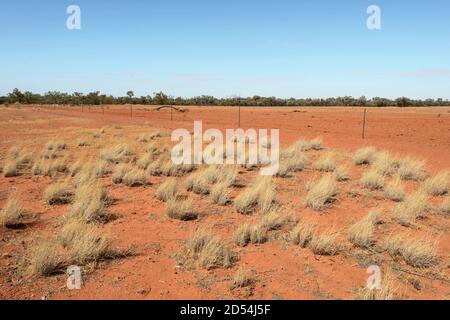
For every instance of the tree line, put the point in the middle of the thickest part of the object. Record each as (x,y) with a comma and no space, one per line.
(160,98)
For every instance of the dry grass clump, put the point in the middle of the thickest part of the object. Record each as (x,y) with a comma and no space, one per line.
(120,171)
(181,209)
(144,161)
(325,163)
(259,195)
(242,278)
(438,185)
(324,243)
(291,160)
(341,174)
(167,190)
(372,180)
(445,205)
(412,208)
(89,171)
(364,155)
(58,193)
(419,253)
(200,182)
(169,169)
(220,194)
(385,164)
(50,169)
(90,203)
(394,190)
(87,243)
(321,193)
(117,154)
(316,144)
(302,233)
(135,177)
(387,290)
(276,219)
(82,143)
(55,145)
(250,234)
(45,259)
(411,169)
(152,149)
(207,251)
(10,168)
(142,137)
(361,233)
(13,214)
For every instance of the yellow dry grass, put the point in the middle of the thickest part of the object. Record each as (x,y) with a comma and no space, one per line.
(321,193)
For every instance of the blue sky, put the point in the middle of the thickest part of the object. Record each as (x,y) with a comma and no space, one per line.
(285,48)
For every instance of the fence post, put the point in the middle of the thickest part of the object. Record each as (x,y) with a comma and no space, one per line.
(364,124)
(131,110)
(239,116)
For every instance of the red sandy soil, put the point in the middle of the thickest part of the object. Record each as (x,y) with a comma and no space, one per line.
(282,270)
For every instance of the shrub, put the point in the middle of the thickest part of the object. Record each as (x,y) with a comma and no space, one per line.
(58,193)
(90,245)
(420,253)
(120,171)
(364,156)
(144,161)
(372,180)
(394,190)
(316,144)
(438,185)
(82,143)
(200,182)
(275,219)
(181,209)
(10,169)
(411,169)
(55,145)
(321,193)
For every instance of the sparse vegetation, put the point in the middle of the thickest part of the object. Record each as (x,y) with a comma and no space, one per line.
(243,278)
(411,169)
(385,164)
(181,209)
(364,155)
(250,234)
(326,163)
(220,194)
(58,193)
(372,180)
(13,214)
(120,153)
(45,258)
(167,190)
(135,177)
(207,251)
(417,252)
(394,190)
(321,193)
(90,203)
(341,174)
(302,233)
(361,233)
(445,205)
(387,290)
(324,243)
(413,207)
(261,195)
(438,185)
